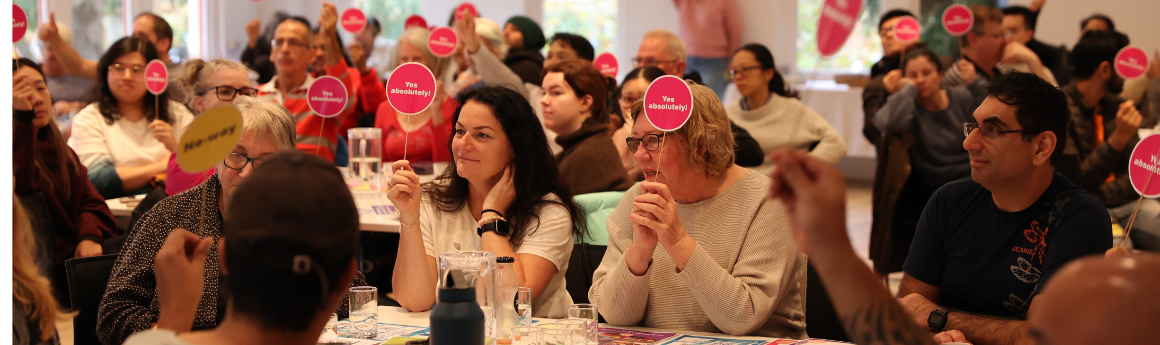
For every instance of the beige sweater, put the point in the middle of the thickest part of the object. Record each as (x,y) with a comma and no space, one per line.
(746,276)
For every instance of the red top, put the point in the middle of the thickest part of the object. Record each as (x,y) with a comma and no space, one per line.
(315,134)
(428,143)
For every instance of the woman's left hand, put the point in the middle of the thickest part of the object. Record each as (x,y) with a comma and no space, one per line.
(163,132)
(503,193)
(658,202)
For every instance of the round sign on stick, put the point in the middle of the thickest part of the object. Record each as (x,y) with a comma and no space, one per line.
(606,64)
(1144,167)
(326,96)
(906,29)
(19,23)
(415,20)
(835,25)
(353,20)
(411,88)
(958,20)
(466,6)
(1131,62)
(668,103)
(156,77)
(442,42)
(209,138)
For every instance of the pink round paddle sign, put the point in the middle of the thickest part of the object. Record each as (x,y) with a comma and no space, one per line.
(958,20)
(836,24)
(1131,62)
(19,23)
(411,88)
(668,102)
(442,42)
(906,29)
(1144,167)
(415,20)
(466,6)
(606,64)
(156,77)
(326,96)
(353,20)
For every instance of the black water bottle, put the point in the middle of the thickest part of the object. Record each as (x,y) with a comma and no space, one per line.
(456,318)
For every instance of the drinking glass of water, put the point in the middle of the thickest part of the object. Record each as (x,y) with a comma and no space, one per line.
(364,312)
(524,305)
(587,312)
(366,156)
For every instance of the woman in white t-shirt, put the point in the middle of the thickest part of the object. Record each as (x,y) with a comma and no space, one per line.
(501,173)
(125,136)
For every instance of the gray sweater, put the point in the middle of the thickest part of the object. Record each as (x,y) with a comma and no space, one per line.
(937,156)
(745,277)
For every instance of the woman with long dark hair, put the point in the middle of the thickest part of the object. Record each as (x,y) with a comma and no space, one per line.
(500,193)
(42,163)
(770,110)
(125,136)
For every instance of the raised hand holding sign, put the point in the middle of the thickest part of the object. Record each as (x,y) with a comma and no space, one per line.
(906,29)
(411,90)
(958,20)
(353,20)
(442,42)
(835,25)
(209,138)
(156,77)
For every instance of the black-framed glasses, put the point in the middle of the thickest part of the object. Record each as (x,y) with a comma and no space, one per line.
(649,61)
(228,93)
(743,71)
(990,131)
(652,142)
(238,161)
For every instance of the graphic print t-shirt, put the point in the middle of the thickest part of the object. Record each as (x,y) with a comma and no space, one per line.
(991,262)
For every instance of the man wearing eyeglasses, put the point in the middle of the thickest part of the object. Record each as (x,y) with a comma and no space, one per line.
(987,52)
(292,55)
(984,246)
(663,49)
(1103,129)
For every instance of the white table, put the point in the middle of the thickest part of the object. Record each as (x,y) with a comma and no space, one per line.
(400,316)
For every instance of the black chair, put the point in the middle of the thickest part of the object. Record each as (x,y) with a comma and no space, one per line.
(583,263)
(87,278)
(821,319)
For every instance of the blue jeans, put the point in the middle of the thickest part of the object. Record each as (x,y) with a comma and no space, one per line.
(1146,229)
(712,72)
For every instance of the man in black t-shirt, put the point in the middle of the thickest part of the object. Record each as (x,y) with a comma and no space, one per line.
(984,246)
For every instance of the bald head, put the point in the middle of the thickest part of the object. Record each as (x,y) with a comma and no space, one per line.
(1101,301)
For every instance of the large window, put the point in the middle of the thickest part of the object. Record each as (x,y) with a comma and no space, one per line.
(860,52)
(178,14)
(593,19)
(96,25)
(390,13)
(29,46)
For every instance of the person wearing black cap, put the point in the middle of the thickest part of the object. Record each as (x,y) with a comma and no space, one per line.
(524,39)
(135,299)
(283,275)
(500,193)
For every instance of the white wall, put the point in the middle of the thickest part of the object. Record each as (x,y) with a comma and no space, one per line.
(1059,20)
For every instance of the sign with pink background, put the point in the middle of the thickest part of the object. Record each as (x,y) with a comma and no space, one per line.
(411,88)
(668,103)
(1144,167)
(1131,62)
(442,42)
(156,77)
(326,96)
(835,25)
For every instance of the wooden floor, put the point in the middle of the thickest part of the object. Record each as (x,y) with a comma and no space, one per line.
(858,217)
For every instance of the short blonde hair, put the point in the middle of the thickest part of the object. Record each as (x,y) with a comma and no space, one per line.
(707,129)
(673,44)
(267,120)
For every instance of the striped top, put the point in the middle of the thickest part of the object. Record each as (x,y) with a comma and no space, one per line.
(314,133)
(745,277)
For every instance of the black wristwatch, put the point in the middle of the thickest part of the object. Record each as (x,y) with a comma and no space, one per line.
(500,227)
(937,320)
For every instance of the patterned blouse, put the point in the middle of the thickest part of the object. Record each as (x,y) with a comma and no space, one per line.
(130,304)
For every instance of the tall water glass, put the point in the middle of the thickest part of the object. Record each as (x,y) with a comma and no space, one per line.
(588,313)
(366,159)
(364,312)
(524,305)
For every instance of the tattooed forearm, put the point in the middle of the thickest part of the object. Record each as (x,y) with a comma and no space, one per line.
(884,322)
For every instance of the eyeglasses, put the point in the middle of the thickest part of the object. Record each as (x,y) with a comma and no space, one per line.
(121,69)
(238,161)
(278,42)
(744,70)
(652,142)
(649,61)
(990,131)
(228,93)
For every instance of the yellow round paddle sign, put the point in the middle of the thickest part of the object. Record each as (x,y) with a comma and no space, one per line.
(209,138)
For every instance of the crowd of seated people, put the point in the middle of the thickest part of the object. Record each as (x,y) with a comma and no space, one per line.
(1000,174)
